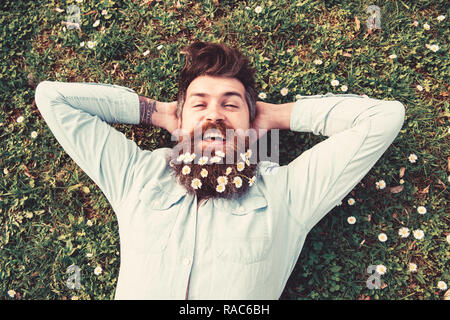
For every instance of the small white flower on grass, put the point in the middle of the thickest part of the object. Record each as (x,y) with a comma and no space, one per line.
(240,166)
(91,44)
(442,285)
(186,170)
(393,56)
(403,232)
(237,182)
(381,269)
(196,183)
(88,255)
(415,23)
(252,181)
(402,181)
(79,1)
(344,88)
(334,82)
(220,188)
(258,9)
(96,23)
(426,26)
(74,298)
(34,134)
(380,184)
(351,220)
(418,234)
(448,238)
(146,52)
(203,160)
(382,237)
(5,170)
(247,8)
(20,119)
(89,223)
(11,293)
(204,173)
(351,201)
(159,47)
(284,91)
(262,95)
(433,47)
(82,44)
(412,158)
(421,209)
(222,180)
(318,62)
(440,18)
(412,267)
(98,270)
(419,87)
(104,12)
(298,96)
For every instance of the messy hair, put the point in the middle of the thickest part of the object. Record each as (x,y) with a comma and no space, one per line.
(216,59)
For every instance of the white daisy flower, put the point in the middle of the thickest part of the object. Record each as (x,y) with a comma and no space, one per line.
(442,285)
(415,23)
(20,119)
(220,188)
(82,44)
(237,182)
(196,183)
(220,153)
(393,56)
(247,162)
(382,237)
(247,8)
(104,12)
(258,9)
(334,82)
(34,134)
(188,157)
(426,26)
(5,170)
(89,223)
(419,87)
(79,1)
(243,156)
(146,52)
(96,23)
(351,201)
(403,232)
(11,293)
(440,18)
(434,47)
(412,267)
(318,61)
(88,255)
(91,44)
(186,170)
(204,173)
(240,166)
(448,238)
(98,270)
(74,298)
(159,47)
(412,158)
(252,181)
(298,96)
(228,171)
(215,159)
(351,220)
(262,95)
(222,180)
(418,234)
(203,160)
(381,269)
(402,181)
(421,209)
(249,153)
(344,88)
(284,91)
(181,157)
(380,184)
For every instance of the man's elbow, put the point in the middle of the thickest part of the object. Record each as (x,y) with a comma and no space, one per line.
(43,93)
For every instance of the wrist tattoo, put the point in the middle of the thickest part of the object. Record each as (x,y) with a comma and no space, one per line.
(147,107)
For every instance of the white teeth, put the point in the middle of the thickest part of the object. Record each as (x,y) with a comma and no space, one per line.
(215,134)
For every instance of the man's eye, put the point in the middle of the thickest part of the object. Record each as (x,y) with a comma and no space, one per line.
(230,105)
(199,105)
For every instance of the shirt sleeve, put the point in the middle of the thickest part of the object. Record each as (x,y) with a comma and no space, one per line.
(360,129)
(77,114)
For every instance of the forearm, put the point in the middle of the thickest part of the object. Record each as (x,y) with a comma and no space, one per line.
(277,116)
(156,113)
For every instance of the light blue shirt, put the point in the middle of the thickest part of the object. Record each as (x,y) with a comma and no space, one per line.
(227,249)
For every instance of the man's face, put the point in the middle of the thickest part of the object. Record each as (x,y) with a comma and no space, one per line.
(212,100)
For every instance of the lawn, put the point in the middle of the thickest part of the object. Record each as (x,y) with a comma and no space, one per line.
(52,216)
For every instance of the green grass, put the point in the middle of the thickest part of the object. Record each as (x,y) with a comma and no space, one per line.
(46,200)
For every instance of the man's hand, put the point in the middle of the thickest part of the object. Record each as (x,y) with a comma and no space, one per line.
(156,113)
(271,116)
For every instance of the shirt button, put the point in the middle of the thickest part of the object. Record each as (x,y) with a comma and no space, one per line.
(186,261)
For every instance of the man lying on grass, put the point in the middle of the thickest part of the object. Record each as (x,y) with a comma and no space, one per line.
(206,219)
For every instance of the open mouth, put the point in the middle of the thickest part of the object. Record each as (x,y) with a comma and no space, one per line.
(214,136)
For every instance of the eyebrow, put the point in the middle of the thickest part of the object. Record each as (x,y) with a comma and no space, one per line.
(226,94)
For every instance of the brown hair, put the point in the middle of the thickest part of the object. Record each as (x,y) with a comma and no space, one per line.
(216,59)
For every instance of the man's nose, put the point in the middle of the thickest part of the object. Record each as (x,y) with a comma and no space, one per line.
(215,115)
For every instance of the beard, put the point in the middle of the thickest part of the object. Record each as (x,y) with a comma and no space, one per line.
(214,162)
